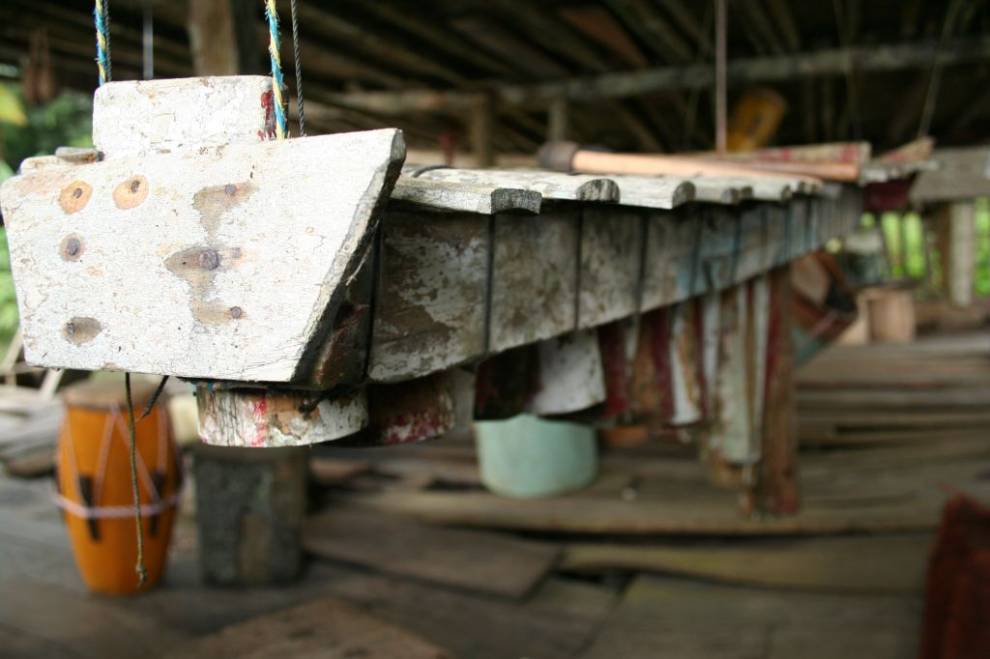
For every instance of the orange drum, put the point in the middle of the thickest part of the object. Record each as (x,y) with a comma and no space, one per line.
(94,484)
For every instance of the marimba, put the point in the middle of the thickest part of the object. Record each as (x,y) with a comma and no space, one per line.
(321,289)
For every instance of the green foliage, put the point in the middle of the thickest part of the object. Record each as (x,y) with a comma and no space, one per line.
(65,121)
(904,236)
(982,274)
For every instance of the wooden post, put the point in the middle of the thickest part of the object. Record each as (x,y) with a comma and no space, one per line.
(956,244)
(557,120)
(721,101)
(223,37)
(777,488)
(482,129)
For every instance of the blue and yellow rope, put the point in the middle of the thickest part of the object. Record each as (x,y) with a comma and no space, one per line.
(278,81)
(101,17)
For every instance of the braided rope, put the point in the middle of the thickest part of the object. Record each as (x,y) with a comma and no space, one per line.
(297,57)
(278,81)
(101,17)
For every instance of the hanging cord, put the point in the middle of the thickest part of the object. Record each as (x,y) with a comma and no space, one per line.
(148,41)
(142,573)
(935,76)
(150,405)
(298,64)
(101,17)
(278,81)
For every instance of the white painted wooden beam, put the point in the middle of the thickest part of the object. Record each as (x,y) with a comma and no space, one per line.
(183,263)
(181,114)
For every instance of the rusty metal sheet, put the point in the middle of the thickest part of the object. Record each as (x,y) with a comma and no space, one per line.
(617,343)
(505,383)
(731,430)
(686,364)
(411,411)
(570,374)
(651,391)
(343,357)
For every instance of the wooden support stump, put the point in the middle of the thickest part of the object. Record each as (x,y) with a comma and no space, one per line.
(250,506)
(957,248)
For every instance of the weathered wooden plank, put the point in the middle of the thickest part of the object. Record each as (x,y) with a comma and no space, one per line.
(614,516)
(762,189)
(78,629)
(180,264)
(486,199)
(134,117)
(549,185)
(667,617)
(672,243)
(960,176)
(611,264)
(666,192)
(469,560)
(534,277)
(754,249)
(556,622)
(325,627)
(889,563)
(433,281)
(721,239)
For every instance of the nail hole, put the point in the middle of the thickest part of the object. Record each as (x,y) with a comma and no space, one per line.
(209,259)
(72,248)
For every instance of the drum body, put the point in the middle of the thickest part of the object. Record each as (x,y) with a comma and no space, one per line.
(94,485)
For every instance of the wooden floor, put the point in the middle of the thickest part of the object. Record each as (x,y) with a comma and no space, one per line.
(651,561)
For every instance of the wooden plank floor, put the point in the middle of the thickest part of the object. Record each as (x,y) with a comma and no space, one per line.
(684,583)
